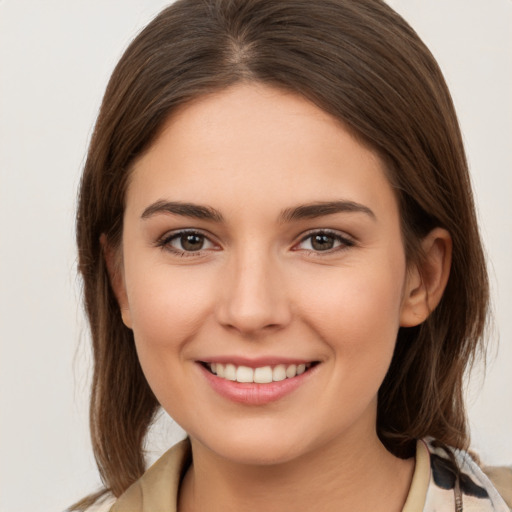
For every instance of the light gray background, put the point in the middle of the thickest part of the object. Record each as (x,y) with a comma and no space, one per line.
(55,59)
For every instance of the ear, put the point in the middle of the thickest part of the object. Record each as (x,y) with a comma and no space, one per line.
(114,264)
(426,280)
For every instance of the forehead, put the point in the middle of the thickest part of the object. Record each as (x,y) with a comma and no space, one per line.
(257,146)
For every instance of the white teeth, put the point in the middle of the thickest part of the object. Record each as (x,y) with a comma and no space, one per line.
(279,373)
(261,375)
(244,374)
(291,371)
(230,372)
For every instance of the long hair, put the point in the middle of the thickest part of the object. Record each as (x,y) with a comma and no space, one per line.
(361,63)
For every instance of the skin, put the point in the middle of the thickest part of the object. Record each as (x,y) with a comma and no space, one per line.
(259,288)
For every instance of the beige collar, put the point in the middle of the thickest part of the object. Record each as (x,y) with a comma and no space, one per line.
(420,480)
(157,489)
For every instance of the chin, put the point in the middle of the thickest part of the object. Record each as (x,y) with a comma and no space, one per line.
(258,447)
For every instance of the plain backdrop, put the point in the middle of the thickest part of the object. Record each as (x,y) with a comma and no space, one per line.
(55,59)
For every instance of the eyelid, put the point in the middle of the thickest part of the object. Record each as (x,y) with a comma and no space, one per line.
(164,242)
(345,240)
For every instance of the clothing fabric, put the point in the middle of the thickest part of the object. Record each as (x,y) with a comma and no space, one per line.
(435,486)
(471,491)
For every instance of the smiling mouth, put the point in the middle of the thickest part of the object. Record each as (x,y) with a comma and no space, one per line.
(260,375)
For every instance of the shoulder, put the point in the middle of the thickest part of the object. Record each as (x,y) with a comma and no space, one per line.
(456,477)
(157,488)
(501,477)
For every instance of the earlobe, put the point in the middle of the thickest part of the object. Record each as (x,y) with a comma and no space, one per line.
(426,280)
(113,263)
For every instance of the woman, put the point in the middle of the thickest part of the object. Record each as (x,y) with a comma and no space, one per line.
(278,243)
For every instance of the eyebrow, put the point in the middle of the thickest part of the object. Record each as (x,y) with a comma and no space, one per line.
(305,211)
(195,211)
(319,209)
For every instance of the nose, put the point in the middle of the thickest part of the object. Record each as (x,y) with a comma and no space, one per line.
(253,298)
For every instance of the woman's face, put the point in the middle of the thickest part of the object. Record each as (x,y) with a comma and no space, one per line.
(261,240)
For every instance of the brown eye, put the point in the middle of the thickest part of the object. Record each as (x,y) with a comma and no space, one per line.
(192,241)
(182,242)
(323,241)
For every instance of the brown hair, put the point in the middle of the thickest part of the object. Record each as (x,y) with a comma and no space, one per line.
(358,61)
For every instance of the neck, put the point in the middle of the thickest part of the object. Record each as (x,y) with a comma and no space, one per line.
(349,474)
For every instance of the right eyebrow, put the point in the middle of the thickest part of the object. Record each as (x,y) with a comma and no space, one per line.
(321,209)
(185,209)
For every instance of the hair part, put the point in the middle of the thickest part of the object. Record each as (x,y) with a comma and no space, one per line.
(361,63)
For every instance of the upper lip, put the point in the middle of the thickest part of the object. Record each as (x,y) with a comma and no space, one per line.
(256,362)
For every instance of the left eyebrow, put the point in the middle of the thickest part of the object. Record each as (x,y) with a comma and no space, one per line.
(314,210)
(195,211)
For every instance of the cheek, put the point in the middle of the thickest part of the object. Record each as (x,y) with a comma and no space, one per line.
(357,313)
(167,307)
(358,319)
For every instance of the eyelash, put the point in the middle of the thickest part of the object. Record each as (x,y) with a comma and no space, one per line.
(165,242)
(345,242)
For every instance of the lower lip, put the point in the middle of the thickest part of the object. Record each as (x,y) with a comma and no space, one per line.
(252,393)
